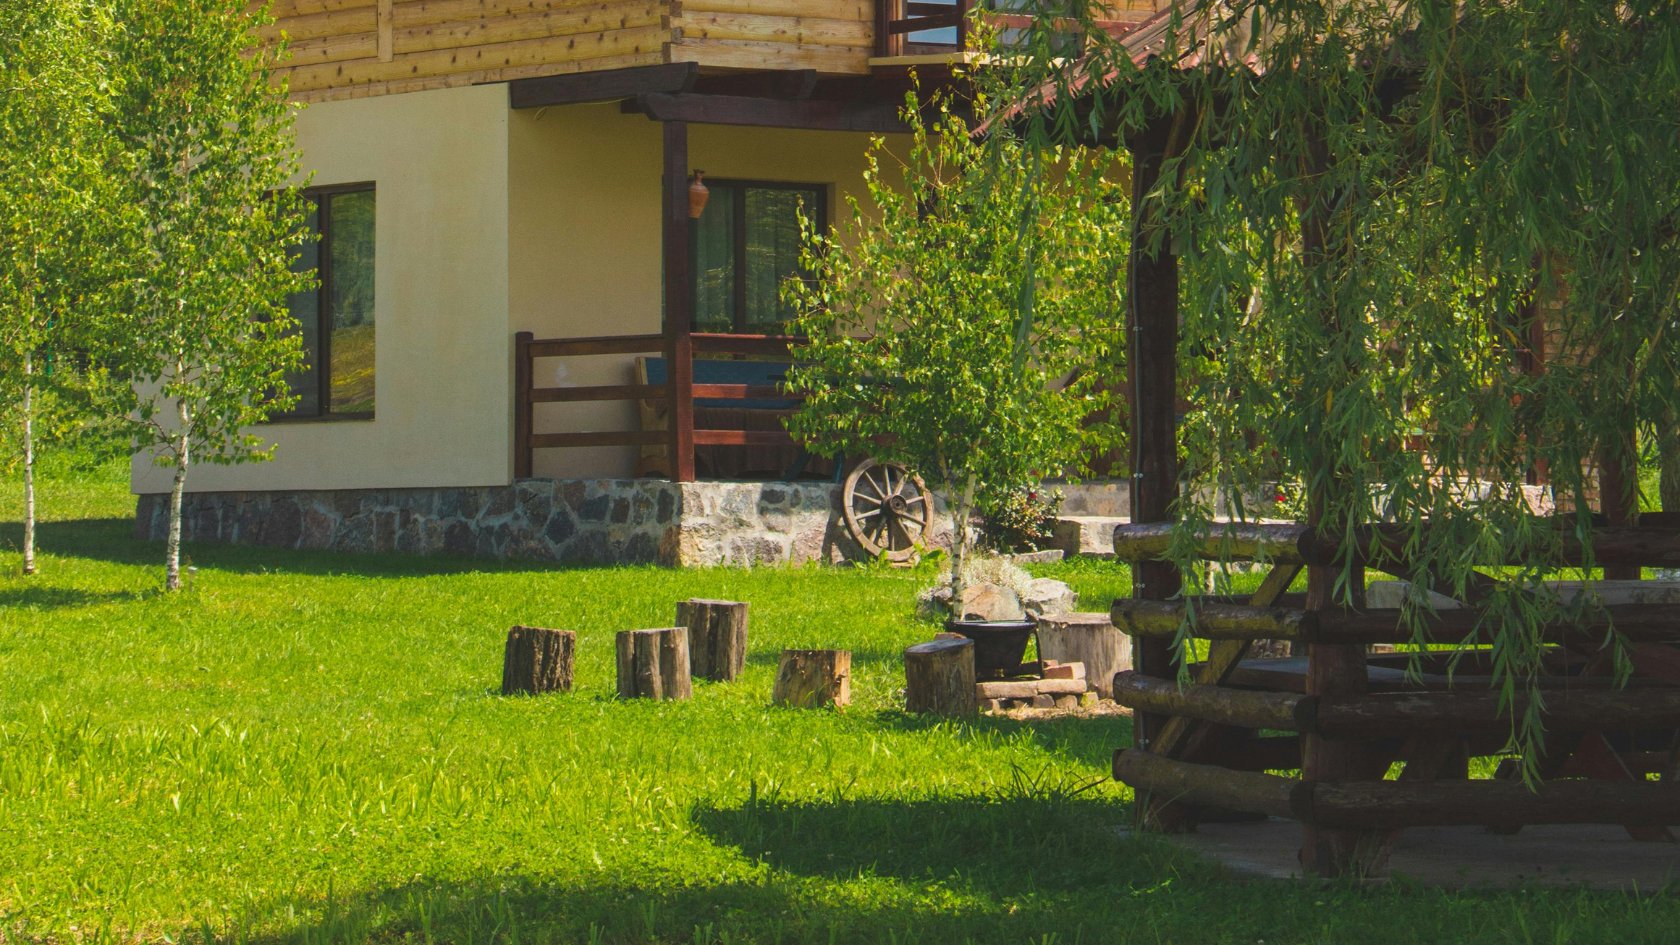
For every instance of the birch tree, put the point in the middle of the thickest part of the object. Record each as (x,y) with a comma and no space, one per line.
(205,338)
(942,323)
(53,207)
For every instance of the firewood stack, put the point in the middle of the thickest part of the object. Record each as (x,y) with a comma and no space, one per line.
(1057,686)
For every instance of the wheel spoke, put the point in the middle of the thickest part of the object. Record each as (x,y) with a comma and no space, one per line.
(863,515)
(868,498)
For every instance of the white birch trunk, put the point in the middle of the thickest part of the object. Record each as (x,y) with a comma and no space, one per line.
(172,566)
(28,464)
(959,547)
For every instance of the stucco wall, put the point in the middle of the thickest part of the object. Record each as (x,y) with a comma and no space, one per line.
(584,241)
(443,353)
(493,221)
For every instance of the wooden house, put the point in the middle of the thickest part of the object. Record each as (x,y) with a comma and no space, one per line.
(501,188)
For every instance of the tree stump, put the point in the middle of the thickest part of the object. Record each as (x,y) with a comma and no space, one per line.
(1092,639)
(717,637)
(807,679)
(537,661)
(653,664)
(939,678)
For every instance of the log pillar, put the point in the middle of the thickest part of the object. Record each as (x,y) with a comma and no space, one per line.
(536,660)
(1152,363)
(653,664)
(939,678)
(809,679)
(717,637)
(1618,496)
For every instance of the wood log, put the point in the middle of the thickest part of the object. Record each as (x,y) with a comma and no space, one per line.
(537,660)
(939,677)
(653,664)
(808,679)
(1223,621)
(1092,639)
(1382,545)
(1218,704)
(1579,709)
(1391,804)
(717,637)
(1162,618)
(1158,778)
(1280,544)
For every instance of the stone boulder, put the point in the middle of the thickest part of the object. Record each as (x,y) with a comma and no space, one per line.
(980,602)
(1047,597)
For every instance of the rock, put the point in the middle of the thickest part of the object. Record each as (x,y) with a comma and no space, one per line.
(1067,702)
(1045,556)
(980,602)
(1065,671)
(1046,597)
(1044,702)
(991,705)
(1088,699)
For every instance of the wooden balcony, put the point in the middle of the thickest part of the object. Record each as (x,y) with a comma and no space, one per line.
(355,48)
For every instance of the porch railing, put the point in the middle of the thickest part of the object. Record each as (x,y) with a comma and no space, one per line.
(679,390)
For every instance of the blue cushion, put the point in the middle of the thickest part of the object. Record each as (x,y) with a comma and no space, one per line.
(731,372)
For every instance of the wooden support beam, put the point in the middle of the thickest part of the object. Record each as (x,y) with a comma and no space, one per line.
(1281,544)
(605,86)
(1162,619)
(522,405)
(1152,362)
(810,114)
(678,237)
(790,84)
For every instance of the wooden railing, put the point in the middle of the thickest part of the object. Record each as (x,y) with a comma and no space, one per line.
(897,20)
(679,389)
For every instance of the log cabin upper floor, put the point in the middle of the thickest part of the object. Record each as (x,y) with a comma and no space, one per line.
(486,169)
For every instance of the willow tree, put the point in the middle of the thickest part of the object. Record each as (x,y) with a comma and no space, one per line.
(949,324)
(208,163)
(1432,250)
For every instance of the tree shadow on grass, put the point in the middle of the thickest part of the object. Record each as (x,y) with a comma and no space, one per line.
(780,907)
(24,597)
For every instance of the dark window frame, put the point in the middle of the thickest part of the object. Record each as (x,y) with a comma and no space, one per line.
(323,308)
(738,213)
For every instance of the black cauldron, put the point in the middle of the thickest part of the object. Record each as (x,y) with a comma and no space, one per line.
(999,645)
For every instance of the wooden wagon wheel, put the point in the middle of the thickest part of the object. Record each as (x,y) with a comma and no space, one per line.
(888,509)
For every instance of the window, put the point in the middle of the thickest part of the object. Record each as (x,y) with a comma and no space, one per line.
(747,244)
(336,318)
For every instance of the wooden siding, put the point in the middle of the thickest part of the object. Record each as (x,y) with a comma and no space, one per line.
(353,48)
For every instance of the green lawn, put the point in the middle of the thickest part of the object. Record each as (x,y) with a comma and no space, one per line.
(308,747)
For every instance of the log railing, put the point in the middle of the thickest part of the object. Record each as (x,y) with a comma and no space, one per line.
(679,388)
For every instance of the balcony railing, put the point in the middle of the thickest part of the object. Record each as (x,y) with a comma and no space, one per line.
(921,27)
(679,391)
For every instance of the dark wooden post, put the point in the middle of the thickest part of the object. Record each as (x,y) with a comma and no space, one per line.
(522,405)
(679,299)
(1618,495)
(886,42)
(963,6)
(1152,361)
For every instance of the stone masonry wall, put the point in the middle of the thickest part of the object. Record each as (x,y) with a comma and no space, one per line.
(604,521)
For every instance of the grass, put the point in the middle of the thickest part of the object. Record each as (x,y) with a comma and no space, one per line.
(308,748)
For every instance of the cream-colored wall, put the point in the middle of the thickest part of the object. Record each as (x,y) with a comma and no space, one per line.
(584,241)
(443,346)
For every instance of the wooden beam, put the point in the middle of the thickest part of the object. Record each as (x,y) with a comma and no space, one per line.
(559,395)
(1222,705)
(808,114)
(386,47)
(605,86)
(1391,804)
(522,405)
(678,237)
(608,344)
(771,83)
(609,438)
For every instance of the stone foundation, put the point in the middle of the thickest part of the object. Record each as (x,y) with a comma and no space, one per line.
(601,521)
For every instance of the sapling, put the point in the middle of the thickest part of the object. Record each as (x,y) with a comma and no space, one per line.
(944,325)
